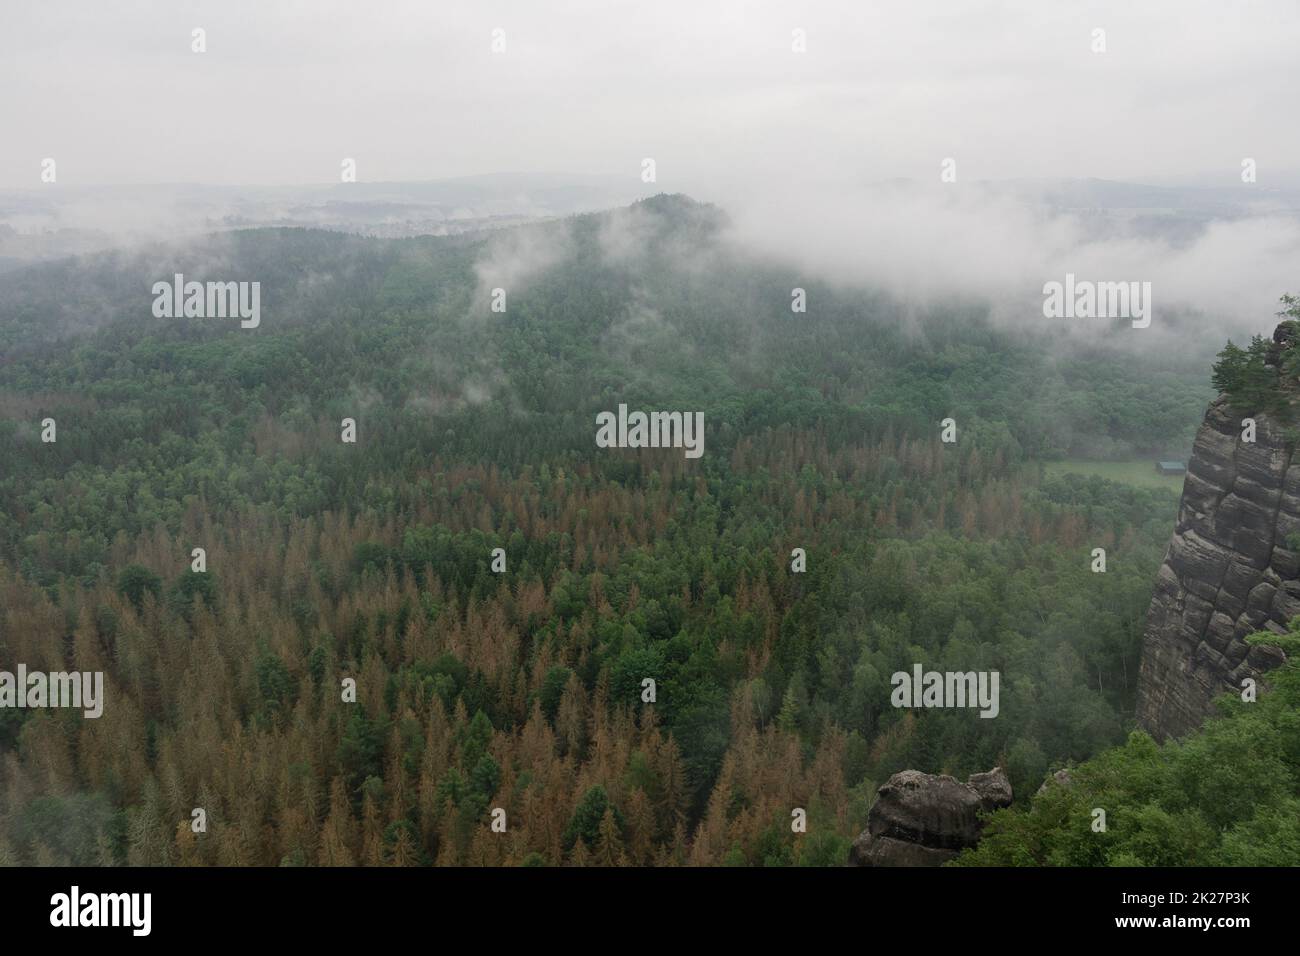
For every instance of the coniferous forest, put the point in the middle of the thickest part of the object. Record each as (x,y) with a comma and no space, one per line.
(637,657)
(804,465)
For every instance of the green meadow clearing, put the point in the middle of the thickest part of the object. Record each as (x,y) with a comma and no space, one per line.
(1139,471)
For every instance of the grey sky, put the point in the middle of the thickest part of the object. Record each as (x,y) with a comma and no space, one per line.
(794,146)
(711,90)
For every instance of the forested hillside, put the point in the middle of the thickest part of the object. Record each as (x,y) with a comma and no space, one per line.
(1229,795)
(522,689)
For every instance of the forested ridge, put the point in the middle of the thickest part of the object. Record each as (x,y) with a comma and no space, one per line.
(522,690)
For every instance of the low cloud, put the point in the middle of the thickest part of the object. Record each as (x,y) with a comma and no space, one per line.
(1211,277)
(512,258)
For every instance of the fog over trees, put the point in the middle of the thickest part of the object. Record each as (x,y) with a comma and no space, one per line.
(541,436)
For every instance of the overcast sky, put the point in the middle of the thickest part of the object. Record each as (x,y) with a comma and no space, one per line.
(711,90)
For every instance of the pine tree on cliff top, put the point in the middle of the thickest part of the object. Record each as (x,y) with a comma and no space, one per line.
(1256,379)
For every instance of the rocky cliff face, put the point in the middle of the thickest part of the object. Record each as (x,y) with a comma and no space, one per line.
(922,819)
(1228,572)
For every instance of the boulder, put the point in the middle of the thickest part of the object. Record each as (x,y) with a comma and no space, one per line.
(1061,778)
(923,819)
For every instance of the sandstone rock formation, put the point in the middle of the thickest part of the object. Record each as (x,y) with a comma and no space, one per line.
(922,819)
(1230,570)
(1062,778)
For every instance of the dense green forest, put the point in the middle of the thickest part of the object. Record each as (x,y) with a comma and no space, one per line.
(522,689)
(1227,796)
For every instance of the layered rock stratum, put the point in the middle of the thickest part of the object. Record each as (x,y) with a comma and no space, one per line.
(923,819)
(1230,570)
